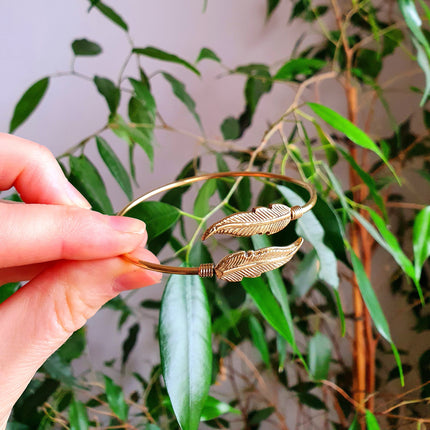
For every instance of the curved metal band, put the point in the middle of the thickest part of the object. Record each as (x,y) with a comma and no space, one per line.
(203,269)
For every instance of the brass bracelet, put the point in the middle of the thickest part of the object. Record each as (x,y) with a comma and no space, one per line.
(259,220)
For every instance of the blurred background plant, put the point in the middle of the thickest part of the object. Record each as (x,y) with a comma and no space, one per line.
(305,347)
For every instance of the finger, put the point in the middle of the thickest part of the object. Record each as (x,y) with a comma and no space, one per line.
(41,233)
(22,273)
(40,317)
(35,173)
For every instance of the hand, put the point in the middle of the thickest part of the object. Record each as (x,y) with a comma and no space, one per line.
(69,255)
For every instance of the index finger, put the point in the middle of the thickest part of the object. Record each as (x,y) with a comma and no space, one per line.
(35,173)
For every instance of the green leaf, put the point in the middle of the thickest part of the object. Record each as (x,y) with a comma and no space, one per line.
(298,67)
(328,145)
(389,242)
(367,179)
(311,400)
(74,346)
(7,290)
(116,399)
(144,95)
(350,130)
(421,240)
(140,135)
(59,370)
(369,62)
(354,425)
(109,91)
(85,177)
(423,61)
(78,418)
(371,422)
(271,6)
(158,216)
(130,342)
(180,92)
(208,54)
(319,356)
(185,347)
(306,274)
(153,52)
(230,128)
(311,229)
(268,306)
(370,298)
(214,408)
(27,103)
(110,13)
(201,204)
(259,339)
(257,416)
(85,47)
(115,166)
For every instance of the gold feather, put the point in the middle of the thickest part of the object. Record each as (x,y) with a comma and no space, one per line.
(251,264)
(260,220)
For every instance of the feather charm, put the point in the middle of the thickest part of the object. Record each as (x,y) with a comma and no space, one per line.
(260,220)
(251,264)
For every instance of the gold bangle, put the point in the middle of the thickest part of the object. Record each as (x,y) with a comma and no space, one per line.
(259,220)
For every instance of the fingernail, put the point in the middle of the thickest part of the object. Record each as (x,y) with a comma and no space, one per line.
(127,224)
(76,197)
(136,279)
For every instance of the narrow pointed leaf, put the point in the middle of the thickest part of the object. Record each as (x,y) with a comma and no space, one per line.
(298,67)
(116,399)
(214,408)
(207,54)
(201,204)
(181,93)
(259,340)
(421,240)
(109,13)
(115,166)
(28,103)
(129,342)
(371,422)
(350,130)
(78,418)
(144,95)
(185,347)
(87,179)
(311,229)
(319,353)
(159,54)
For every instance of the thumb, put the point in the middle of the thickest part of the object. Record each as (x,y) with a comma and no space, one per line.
(41,316)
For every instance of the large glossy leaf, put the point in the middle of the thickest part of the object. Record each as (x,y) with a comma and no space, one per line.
(159,54)
(109,91)
(319,356)
(421,240)
(298,67)
(85,47)
(185,347)
(214,408)
(158,216)
(116,399)
(311,229)
(115,166)
(350,130)
(78,418)
(87,179)
(181,93)
(259,339)
(109,13)
(27,103)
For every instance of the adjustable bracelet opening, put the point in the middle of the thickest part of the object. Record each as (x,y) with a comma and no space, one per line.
(259,220)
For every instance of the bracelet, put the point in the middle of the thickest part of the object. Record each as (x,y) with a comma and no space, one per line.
(259,220)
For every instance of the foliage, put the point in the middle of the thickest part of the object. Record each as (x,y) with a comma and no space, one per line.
(293,323)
